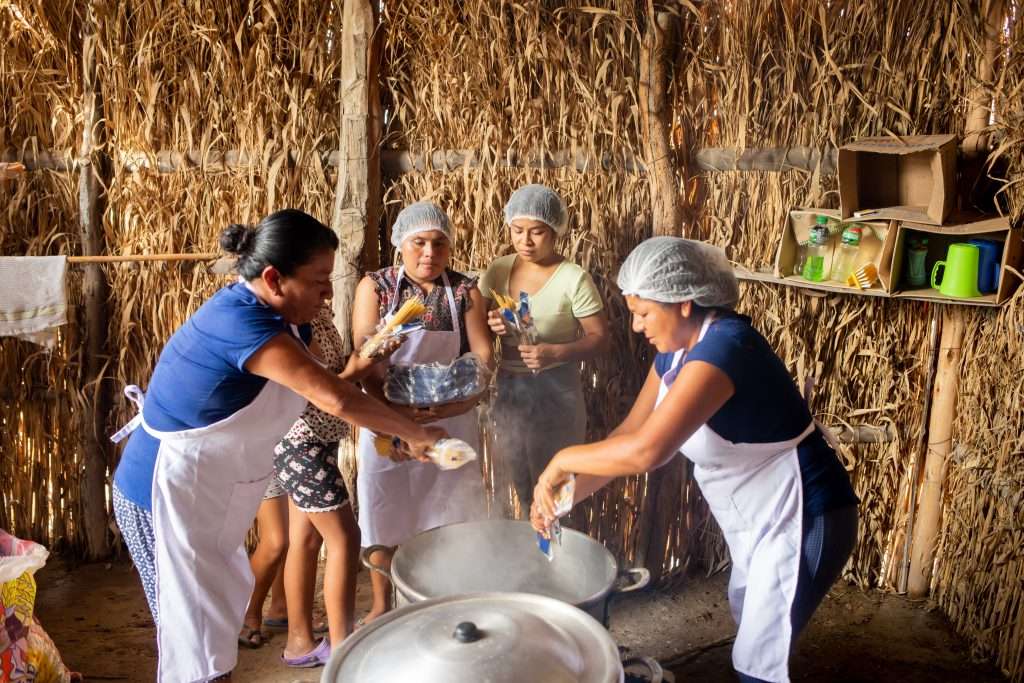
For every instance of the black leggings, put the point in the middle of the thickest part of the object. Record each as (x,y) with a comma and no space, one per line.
(827,543)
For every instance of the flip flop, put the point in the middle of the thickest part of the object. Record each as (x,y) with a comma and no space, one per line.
(318,656)
(250,638)
(282,625)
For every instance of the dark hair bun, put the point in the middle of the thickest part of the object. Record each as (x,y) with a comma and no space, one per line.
(236,238)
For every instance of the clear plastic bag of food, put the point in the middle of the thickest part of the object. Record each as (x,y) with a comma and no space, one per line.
(431,384)
(447,454)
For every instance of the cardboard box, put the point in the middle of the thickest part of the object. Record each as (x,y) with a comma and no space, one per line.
(798,228)
(963,227)
(908,179)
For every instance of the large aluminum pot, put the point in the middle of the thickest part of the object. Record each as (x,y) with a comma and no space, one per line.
(493,637)
(501,555)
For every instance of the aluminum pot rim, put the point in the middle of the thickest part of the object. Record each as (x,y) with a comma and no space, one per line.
(595,599)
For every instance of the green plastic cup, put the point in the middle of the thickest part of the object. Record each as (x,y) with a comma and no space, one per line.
(959,272)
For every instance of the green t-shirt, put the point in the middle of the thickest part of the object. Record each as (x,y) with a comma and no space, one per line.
(568,295)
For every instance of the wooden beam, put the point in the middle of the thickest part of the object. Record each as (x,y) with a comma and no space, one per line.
(92,421)
(351,215)
(940,435)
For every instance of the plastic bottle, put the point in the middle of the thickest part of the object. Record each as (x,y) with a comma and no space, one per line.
(917,251)
(817,250)
(801,257)
(846,255)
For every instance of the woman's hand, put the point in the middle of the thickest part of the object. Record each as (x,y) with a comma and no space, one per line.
(540,524)
(550,479)
(496,322)
(417,450)
(539,356)
(385,350)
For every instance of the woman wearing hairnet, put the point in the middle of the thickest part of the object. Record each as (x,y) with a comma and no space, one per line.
(719,395)
(539,406)
(399,499)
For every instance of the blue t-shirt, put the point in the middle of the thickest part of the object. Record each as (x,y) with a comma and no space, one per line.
(767,407)
(201,378)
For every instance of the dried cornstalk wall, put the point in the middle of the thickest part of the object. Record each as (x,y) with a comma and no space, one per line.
(260,78)
(509,79)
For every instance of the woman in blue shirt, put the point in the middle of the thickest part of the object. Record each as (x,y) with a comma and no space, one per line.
(227,386)
(719,395)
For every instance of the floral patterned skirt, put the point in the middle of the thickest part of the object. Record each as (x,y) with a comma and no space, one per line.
(307,468)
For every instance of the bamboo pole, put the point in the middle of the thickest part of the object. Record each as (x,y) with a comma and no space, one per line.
(940,434)
(975,143)
(375,134)
(947,381)
(352,204)
(919,455)
(398,162)
(95,291)
(135,258)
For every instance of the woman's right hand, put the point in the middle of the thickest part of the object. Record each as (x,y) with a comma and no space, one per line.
(418,447)
(539,522)
(496,322)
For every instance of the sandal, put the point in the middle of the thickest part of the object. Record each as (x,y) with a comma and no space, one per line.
(250,638)
(318,656)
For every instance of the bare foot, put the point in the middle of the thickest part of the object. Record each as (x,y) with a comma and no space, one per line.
(374,613)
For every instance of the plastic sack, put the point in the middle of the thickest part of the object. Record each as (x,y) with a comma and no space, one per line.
(27,655)
(432,384)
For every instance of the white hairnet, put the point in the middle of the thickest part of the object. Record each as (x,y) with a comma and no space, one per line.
(672,270)
(419,217)
(538,203)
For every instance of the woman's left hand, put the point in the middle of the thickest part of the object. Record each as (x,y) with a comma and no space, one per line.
(538,356)
(550,479)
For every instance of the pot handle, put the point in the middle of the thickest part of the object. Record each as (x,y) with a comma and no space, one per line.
(364,557)
(641,577)
(657,674)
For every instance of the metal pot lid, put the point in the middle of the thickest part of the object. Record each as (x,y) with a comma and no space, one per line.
(492,637)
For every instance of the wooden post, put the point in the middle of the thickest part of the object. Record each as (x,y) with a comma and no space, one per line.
(656,57)
(665,484)
(95,291)
(355,201)
(940,434)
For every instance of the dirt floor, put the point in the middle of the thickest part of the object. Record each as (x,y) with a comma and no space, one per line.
(97,616)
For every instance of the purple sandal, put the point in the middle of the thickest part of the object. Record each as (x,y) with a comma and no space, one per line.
(318,656)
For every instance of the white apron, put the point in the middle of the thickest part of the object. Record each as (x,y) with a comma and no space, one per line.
(754,491)
(397,500)
(207,485)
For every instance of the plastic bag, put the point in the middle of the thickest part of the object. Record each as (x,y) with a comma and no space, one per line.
(432,384)
(447,454)
(27,655)
(564,497)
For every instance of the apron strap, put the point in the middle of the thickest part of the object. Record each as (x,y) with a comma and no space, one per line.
(136,396)
(680,355)
(456,328)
